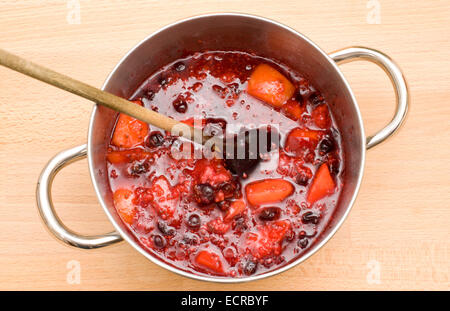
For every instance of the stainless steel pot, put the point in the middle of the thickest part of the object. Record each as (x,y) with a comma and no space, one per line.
(226,32)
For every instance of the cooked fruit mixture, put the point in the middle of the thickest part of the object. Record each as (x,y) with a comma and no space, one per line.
(195,213)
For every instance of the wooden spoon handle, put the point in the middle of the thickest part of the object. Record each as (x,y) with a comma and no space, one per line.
(96,95)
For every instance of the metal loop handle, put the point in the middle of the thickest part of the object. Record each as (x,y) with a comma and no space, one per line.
(47,212)
(397,79)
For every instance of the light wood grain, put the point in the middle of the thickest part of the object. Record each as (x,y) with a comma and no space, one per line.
(401,218)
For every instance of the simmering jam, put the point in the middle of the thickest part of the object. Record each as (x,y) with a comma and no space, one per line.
(195,212)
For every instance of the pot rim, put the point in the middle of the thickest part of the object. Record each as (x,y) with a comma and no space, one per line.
(191,275)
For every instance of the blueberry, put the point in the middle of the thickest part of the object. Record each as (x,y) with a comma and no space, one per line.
(162,81)
(165,229)
(250,267)
(194,221)
(310,218)
(179,66)
(301,179)
(159,241)
(204,194)
(326,145)
(315,99)
(270,213)
(303,243)
(139,168)
(223,205)
(155,139)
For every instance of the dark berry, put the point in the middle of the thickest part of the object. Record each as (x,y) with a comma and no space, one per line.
(310,218)
(191,239)
(326,145)
(270,213)
(204,194)
(139,168)
(155,139)
(302,179)
(223,205)
(250,267)
(179,66)
(165,229)
(315,99)
(298,96)
(162,80)
(334,166)
(150,95)
(289,236)
(180,105)
(159,241)
(239,224)
(194,221)
(303,242)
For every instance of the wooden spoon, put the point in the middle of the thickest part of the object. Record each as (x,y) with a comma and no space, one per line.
(98,96)
(239,166)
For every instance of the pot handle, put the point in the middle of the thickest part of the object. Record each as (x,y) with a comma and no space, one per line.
(47,212)
(398,81)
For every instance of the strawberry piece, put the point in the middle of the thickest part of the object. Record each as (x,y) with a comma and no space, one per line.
(267,239)
(209,261)
(322,184)
(293,109)
(302,141)
(218,226)
(127,156)
(321,116)
(268,191)
(129,132)
(210,172)
(236,208)
(165,200)
(123,201)
(270,86)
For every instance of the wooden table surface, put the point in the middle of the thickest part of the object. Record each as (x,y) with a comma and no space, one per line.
(397,235)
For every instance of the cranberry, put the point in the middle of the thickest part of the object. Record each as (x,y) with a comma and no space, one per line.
(165,229)
(204,194)
(310,218)
(180,105)
(270,213)
(139,168)
(250,267)
(303,243)
(194,221)
(159,241)
(222,92)
(179,66)
(234,87)
(155,139)
(326,145)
